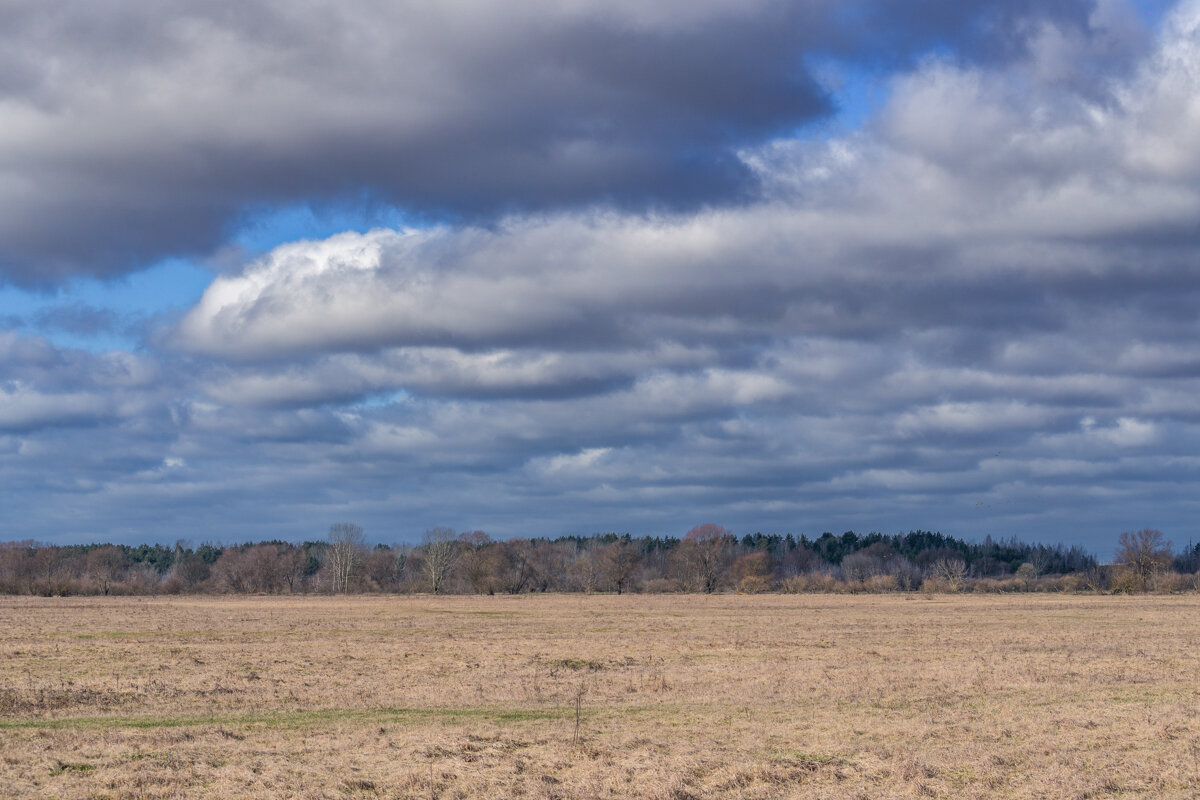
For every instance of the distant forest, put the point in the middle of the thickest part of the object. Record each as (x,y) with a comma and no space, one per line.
(707,559)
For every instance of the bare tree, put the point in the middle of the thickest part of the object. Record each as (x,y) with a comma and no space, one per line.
(753,571)
(107,565)
(442,550)
(705,552)
(618,561)
(515,569)
(857,567)
(344,555)
(384,567)
(951,570)
(50,562)
(1145,553)
(191,570)
(548,561)
(480,561)
(1039,559)
(587,570)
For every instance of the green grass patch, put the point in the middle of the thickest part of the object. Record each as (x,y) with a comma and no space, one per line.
(64,767)
(811,760)
(294,719)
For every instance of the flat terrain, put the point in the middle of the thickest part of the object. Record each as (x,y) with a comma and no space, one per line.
(678,697)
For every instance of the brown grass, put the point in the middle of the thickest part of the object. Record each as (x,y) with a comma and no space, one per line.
(762,696)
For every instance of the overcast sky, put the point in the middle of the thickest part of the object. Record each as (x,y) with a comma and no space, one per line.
(542,268)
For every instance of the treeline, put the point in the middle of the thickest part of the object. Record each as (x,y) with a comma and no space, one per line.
(707,559)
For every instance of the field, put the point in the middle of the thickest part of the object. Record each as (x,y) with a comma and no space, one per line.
(767,696)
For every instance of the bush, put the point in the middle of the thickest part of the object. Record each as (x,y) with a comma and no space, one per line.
(811,582)
(1171,583)
(877,584)
(1126,581)
(936,585)
(753,584)
(1027,572)
(1066,583)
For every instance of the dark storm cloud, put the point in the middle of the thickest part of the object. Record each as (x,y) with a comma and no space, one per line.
(131,131)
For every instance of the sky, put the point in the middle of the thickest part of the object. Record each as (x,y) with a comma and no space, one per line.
(547,268)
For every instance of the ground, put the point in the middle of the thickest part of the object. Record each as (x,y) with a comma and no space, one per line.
(571,696)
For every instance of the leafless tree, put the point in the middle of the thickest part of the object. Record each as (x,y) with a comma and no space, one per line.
(344,554)
(619,560)
(50,563)
(857,567)
(384,567)
(705,552)
(480,561)
(548,563)
(800,561)
(191,570)
(1039,559)
(515,569)
(951,570)
(106,565)
(1145,552)
(442,550)
(586,571)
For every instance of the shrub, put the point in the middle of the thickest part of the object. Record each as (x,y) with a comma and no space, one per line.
(1170,582)
(1126,581)
(1066,583)
(950,572)
(810,582)
(936,585)
(753,584)
(877,584)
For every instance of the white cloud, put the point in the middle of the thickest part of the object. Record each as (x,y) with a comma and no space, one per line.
(906,328)
(23,407)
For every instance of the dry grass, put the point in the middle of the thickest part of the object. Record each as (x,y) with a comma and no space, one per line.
(679,697)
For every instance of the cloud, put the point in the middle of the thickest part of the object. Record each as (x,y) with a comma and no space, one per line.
(193,115)
(908,312)
(24,408)
(976,313)
(77,318)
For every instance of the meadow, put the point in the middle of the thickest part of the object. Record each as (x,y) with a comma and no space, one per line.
(599,696)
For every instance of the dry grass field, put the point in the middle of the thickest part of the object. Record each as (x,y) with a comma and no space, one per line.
(678,697)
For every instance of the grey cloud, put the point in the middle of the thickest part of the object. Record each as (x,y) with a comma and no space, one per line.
(130,132)
(973,315)
(77,318)
(46,388)
(968,206)
(23,408)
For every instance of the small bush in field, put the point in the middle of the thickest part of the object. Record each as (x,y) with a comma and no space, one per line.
(1126,581)
(753,584)
(1171,583)
(1066,583)
(881,583)
(935,585)
(812,582)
